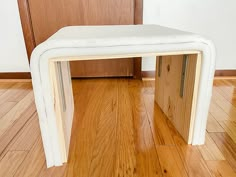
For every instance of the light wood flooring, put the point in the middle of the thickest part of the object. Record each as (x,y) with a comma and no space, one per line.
(118,131)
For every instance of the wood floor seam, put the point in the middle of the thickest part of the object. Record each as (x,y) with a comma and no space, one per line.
(143,143)
(2,150)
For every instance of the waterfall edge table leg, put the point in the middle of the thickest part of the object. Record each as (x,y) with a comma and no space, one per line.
(176,90)
(63,103)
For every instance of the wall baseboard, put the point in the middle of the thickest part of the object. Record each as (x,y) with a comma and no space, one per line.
(148,74)
(17,75)
(151,74)
(145,74)
(225,73)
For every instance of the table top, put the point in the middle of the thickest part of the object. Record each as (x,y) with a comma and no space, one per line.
(115,31)
(110,35)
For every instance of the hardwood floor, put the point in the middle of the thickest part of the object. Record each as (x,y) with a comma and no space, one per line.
(118,131)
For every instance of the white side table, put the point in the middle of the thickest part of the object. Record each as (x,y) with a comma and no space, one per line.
(184,77)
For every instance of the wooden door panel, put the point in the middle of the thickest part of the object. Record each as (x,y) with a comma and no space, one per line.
(99,68)
(41,18)
(49,16)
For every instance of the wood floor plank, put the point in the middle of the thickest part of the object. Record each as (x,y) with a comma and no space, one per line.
(16,92)
(218,113)
(213,125)
(125,151)
(118,130)
(4,86)
(226,96)
(210,151)
(53,171)
(217,96)
(157,120)
(104,149)
(231,81)
(27,136)
(6,107)
(229,87)
(87,112)
(225,105)
(10,163)
(221,169)
(230,128)
(147,159)
(228,108)
(33,162)
(171,163)
(7,120)
(12,131)
(226,146)
(192,159)
(226,90)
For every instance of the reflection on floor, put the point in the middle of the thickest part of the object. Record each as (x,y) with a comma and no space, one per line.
(118,131)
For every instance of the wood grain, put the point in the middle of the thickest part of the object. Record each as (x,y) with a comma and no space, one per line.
(104,149)
(16,93)
(10,162)
(14,129)
(33,162)
(6,107)
(226,89)
(221,169)
(230,128)
(53,172)
(178,109)
(126,163)
(8,119)
(118,129)
(171,163)
(160,130)
(55,15)
(226,146)
(84,131)
(147,158)
(67,13)
(218,113)
(27,27)
(101,68)
(224,104)
(138,12)
(27,136)
(210,151)
(4,86)
(192,159)
(213,125)
(138,19)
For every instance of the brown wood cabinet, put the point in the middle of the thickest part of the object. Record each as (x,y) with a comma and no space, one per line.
(42,18)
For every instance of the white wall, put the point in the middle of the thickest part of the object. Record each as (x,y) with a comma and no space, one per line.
(13,57)
(214,19)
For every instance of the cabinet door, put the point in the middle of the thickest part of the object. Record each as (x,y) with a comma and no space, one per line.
(175,89)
